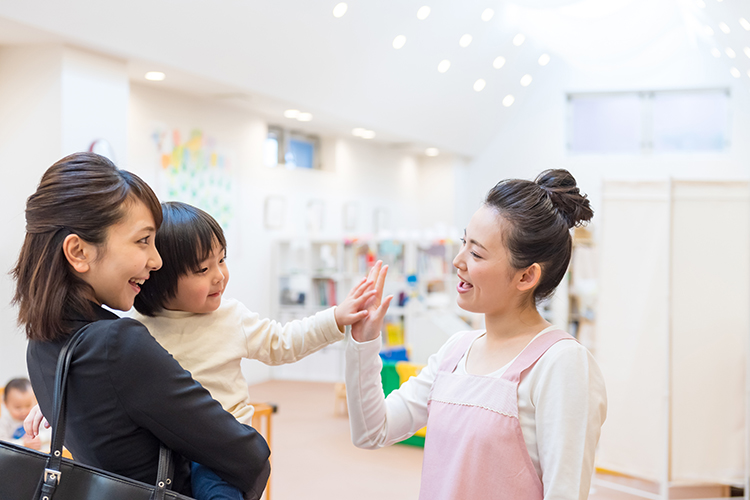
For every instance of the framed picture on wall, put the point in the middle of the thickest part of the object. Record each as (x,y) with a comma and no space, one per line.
(274,212)
(381,220)
(315,215)
(350,215)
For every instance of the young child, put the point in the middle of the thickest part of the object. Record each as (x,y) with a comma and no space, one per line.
(182,307)
(19,399)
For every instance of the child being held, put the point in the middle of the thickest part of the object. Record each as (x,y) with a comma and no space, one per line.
(18,400)
(181,305)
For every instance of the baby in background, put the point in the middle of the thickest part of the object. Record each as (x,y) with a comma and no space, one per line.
(181,304)
(18,400)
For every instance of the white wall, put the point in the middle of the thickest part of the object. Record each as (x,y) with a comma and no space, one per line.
(375,176)
(535,135)
(54,101)
(29,142)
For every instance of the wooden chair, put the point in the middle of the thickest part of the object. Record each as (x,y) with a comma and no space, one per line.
(339,403)
(262,423)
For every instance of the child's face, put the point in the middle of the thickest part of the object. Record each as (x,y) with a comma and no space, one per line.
(200,291)
(127,259)
(19,403)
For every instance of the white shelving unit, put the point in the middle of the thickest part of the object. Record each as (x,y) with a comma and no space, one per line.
(312,275)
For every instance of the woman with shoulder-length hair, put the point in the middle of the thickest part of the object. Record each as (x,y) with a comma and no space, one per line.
(89,243)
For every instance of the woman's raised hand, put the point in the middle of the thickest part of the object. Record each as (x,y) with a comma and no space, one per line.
(34,420)
(369,328)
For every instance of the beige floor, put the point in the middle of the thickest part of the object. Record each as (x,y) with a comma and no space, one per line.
(313,458)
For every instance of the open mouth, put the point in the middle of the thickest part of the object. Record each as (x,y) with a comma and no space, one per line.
(137,283)
(463,286)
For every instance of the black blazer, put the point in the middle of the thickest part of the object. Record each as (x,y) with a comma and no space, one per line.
(126,394)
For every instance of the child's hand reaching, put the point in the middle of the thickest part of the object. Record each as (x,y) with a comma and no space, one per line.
(370,326)
(353,308)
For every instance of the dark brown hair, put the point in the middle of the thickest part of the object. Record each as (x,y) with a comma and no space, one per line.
(16,384)
(184,240)
(83,194)
(541,214)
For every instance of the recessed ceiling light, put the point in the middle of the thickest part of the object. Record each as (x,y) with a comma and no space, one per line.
(155,76)
(735,72)
(423,12)
(716,52)
(368,134)
(708,31)
(357,132)
(339,10)
(525,80)
(432,151)
(444,65)
(479,85)
(746,50)
(291,113)
(518,40)
(304,117)
(745,24)
(399,41)
(499,62)
(487,14)
(723,27)
(730,52)
(544,59)
(465,40)
(508,100)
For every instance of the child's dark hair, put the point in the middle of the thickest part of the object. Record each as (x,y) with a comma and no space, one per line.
(16,384)
(83,194)
(184,240)
(541,214)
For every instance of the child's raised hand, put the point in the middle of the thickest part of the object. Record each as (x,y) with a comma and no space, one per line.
(353,308)
(369,328)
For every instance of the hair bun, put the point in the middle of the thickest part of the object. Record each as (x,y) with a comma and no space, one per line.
(560,186)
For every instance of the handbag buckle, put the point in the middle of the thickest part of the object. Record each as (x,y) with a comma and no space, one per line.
(53,473)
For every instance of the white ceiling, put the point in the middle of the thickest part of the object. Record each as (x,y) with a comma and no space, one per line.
(274,54)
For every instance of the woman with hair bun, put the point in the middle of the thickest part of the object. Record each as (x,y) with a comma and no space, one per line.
(513,411)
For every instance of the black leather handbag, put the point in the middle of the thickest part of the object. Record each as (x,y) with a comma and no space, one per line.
(31,475)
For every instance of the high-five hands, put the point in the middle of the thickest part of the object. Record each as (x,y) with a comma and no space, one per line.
(370,326)
(354,307)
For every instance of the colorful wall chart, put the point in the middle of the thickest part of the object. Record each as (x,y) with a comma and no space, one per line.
(195,171)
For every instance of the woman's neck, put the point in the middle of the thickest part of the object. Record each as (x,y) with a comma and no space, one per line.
(513,324)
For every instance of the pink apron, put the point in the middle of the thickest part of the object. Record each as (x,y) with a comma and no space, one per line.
(474,448)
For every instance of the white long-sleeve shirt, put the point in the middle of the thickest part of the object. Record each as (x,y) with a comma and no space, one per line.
(211,346)
(562,405)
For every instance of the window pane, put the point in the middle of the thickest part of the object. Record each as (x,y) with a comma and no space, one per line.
(606,124)
(695,121)
(301,152)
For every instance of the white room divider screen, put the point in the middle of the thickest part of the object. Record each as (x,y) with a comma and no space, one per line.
(672,330)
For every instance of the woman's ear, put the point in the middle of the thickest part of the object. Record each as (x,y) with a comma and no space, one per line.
(78,253)
(530,277)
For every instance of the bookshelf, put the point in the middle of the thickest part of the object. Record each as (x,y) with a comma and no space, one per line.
(312,275)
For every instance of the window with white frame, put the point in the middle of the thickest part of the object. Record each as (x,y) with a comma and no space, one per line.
(683,121)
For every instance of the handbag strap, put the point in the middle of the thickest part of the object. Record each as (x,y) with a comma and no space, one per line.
(52,471)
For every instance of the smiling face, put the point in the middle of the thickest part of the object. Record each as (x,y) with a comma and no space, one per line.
(200,290)
(488,283)
(117,269)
